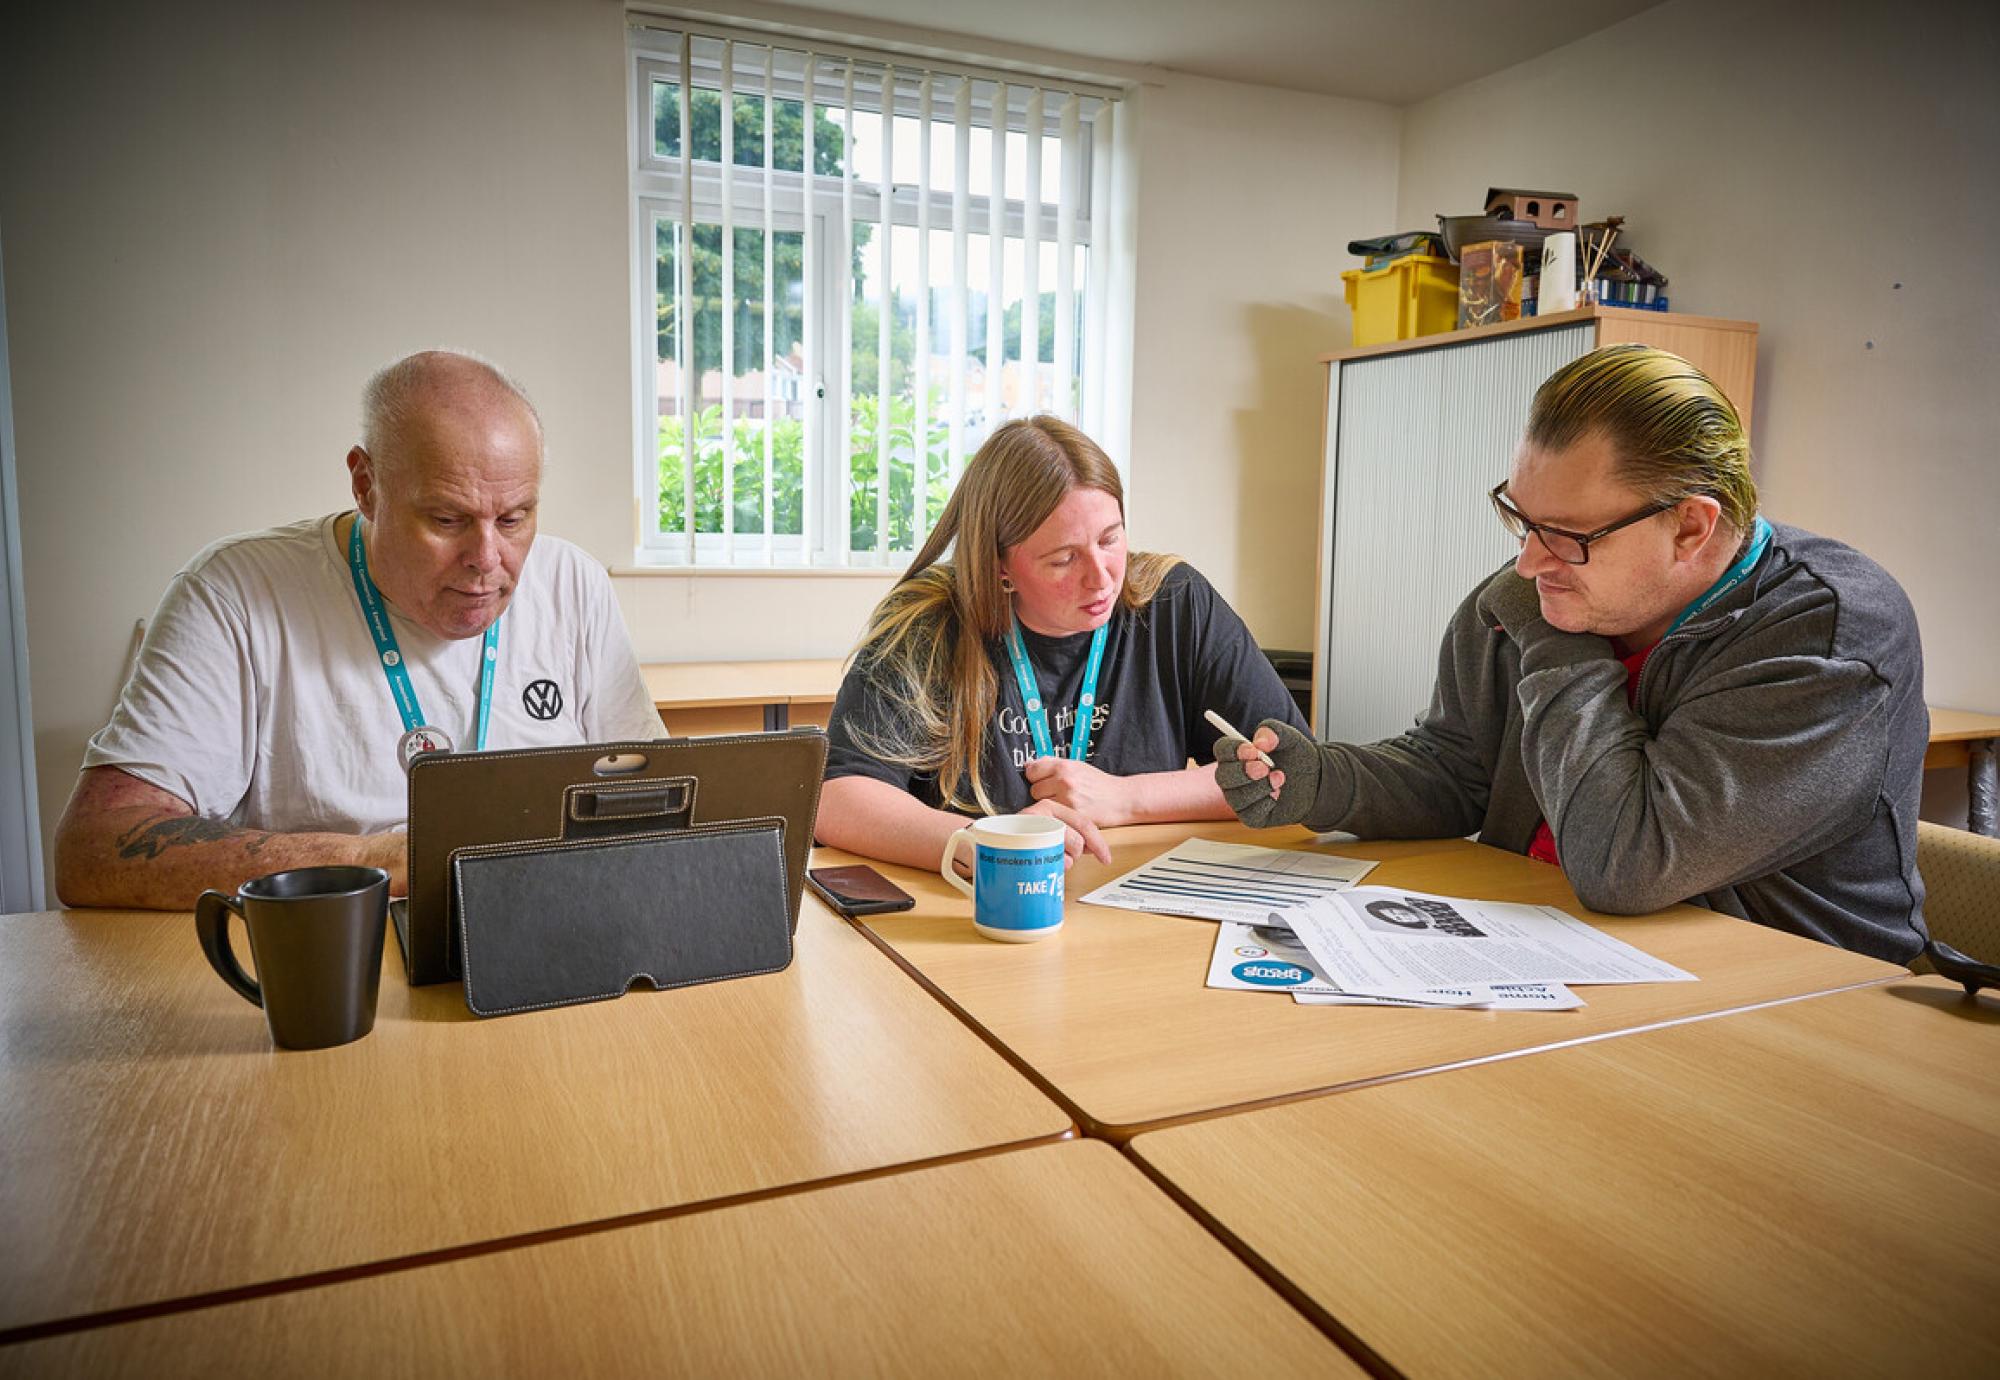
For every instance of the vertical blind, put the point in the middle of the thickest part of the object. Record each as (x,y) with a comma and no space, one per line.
(853,267)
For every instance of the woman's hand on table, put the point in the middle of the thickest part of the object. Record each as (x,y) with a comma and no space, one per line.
(1081,835)
(1098,796)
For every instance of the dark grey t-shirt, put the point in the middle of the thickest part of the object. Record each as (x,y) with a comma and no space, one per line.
(1185,652)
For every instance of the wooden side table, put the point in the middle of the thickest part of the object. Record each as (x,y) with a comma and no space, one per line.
(696,698)
(1964,737)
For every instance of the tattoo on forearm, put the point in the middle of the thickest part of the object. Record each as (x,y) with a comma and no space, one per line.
(151,840)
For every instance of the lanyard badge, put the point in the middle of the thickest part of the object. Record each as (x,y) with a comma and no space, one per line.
(418,737)
(1031,695)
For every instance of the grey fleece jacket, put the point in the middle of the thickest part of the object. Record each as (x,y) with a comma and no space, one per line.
(1771,769)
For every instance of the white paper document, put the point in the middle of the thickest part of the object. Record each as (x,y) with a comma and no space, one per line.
(1499,996)
(1229,881)
(1394,942)
(1270,958)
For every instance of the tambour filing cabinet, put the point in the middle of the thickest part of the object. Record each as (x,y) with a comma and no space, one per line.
(1416,433)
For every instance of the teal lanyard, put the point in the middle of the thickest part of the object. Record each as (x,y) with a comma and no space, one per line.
(1732,577)
(1031,695)
(377,618)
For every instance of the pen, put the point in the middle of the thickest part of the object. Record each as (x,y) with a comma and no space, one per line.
(1233,731)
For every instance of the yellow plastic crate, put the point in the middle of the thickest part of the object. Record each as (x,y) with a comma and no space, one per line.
(1415,295)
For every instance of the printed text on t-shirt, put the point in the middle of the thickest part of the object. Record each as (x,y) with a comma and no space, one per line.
(1020,743)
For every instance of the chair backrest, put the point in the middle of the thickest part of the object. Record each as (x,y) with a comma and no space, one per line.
(1962,889)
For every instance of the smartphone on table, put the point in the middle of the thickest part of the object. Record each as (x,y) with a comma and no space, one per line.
(858,890)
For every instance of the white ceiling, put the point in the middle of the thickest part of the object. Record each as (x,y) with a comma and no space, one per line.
(1394,51)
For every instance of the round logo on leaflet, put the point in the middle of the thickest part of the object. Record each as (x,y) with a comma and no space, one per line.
(1269,973)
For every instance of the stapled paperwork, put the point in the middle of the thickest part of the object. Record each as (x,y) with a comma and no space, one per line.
(1394,942)
(1499,996)
(1295,922)
(1229,881)
(1270,958)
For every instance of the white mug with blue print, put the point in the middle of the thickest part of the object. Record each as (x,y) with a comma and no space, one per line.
(1017,875)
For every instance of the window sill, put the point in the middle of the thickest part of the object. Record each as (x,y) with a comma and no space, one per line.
(789,572)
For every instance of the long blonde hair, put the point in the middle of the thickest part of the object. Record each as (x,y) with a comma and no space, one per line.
(925,650)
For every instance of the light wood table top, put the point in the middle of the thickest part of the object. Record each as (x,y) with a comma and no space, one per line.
(1954,732)
(1113,1013)
(1962,725)
(155,1145)
(1060,1260)
(707,684)
(1806,1189)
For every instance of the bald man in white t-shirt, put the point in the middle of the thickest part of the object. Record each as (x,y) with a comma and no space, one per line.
(289,675)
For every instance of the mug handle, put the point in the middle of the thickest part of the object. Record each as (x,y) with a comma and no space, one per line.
(945,868)
(211,924)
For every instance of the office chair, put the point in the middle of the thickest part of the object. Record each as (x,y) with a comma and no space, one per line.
(1961,874)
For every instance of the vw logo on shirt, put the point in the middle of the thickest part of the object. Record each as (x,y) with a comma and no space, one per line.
(543,699)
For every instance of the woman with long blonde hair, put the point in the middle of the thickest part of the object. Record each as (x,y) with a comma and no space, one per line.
(1028,663)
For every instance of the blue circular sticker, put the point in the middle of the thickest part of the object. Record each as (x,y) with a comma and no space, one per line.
(1271,973)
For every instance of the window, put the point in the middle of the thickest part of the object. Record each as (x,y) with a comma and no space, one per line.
(840,257)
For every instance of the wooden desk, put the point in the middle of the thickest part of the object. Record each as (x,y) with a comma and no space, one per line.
(1113,1015)
(703,697)
(1806,1189)
(1060,1260)
(155,1146)
(1964,738)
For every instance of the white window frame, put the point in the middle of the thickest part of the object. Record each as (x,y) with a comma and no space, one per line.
(659,196)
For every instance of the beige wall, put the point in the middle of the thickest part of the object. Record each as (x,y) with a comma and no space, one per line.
(219,220)
(1825,170)
(1247,198)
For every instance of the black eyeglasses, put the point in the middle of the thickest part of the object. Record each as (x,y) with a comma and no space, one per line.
(1571,548)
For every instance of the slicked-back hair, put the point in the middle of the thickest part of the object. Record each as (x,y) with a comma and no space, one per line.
(1673,433)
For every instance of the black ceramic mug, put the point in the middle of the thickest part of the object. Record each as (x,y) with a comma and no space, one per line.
(316,936)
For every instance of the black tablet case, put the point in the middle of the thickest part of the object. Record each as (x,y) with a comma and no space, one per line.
(556,924)
(484,802)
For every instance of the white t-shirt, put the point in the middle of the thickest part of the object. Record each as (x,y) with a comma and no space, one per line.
(258,697)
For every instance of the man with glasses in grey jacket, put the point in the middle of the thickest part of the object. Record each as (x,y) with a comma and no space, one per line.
(1666,695)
